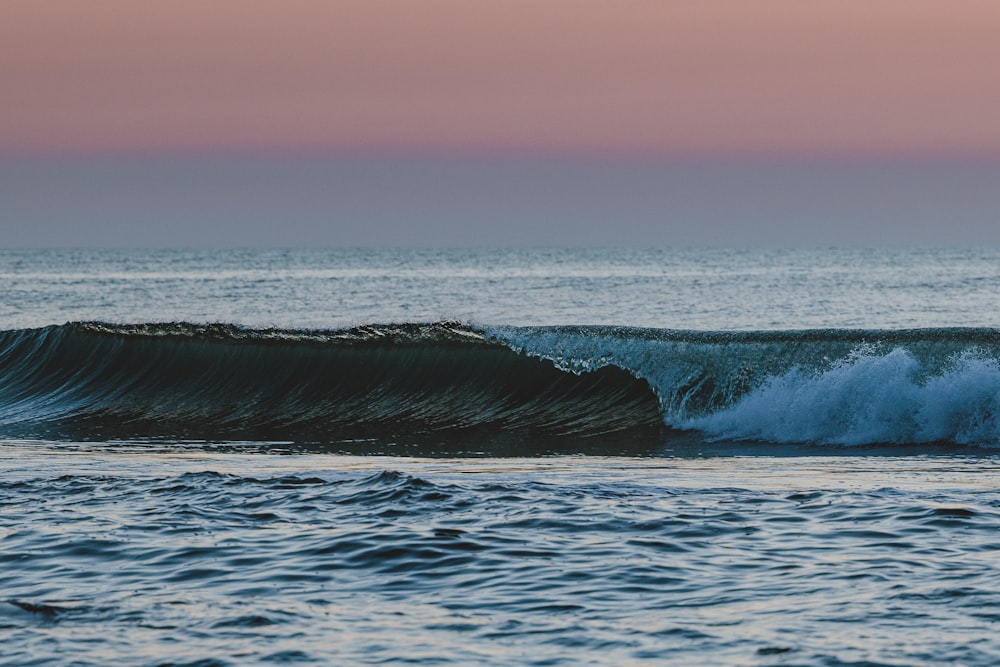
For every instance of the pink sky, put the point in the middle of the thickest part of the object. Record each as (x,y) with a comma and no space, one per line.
(843,78)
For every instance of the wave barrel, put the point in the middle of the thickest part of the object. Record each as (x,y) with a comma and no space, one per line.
(184,381)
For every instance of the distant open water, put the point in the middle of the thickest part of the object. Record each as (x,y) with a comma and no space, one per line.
(548,457)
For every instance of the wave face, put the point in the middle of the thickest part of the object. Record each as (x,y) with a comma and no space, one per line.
(840,387)
(399,383)
(185,381)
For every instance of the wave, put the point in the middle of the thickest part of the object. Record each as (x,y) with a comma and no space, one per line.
(835,386)
(449,382)
(184,381)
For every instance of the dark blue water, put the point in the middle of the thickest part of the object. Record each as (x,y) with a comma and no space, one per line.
(143,559)
(544,457)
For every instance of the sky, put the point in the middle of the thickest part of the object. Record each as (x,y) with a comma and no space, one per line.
(521,122)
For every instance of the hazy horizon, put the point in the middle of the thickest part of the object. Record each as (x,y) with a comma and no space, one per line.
(523,123)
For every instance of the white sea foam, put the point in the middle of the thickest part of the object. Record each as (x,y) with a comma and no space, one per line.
(869,398)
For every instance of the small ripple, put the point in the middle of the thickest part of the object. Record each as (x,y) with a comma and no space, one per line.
(247,621)
(287,657)
(38,609)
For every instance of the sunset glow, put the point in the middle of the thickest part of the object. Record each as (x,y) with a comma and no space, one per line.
(771,78)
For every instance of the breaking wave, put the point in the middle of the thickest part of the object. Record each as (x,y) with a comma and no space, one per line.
(401,382)
(836,386)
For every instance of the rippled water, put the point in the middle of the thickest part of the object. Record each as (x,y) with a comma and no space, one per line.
(709,289)
(752,541)
(232,559)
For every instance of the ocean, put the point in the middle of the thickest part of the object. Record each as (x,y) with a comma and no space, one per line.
(500,457)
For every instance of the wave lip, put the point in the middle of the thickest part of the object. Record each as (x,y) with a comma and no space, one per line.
(93,380)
